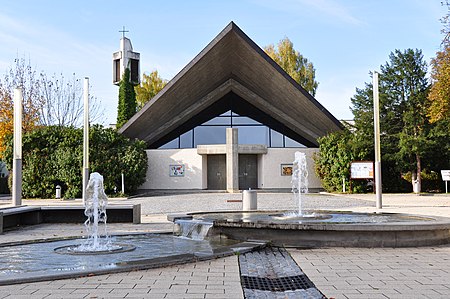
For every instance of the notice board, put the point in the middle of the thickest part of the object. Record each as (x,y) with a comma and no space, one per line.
(360,170)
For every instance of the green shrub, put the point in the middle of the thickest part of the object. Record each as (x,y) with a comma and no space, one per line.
(332,164)
(431,181)
(53,156)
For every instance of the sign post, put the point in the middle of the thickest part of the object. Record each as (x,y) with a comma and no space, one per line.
(445,177)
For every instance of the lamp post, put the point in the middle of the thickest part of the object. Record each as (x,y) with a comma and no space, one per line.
(85,137)
(17,151)
(376,125)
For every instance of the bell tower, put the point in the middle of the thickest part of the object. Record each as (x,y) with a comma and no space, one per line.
(126,58)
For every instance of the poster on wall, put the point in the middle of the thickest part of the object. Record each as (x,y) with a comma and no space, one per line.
(176,170)
(286,169)
(361,170)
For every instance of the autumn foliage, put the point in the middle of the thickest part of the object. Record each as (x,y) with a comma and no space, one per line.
(151,84)
(439,96)
(19,76)
(294,64)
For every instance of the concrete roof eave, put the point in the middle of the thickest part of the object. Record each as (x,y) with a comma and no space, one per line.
(230,63)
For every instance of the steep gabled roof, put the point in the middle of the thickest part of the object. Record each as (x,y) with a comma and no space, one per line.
(231,72)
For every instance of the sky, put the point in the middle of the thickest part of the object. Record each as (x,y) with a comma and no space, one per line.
(344,39)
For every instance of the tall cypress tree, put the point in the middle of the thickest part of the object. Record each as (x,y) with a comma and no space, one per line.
(127,100)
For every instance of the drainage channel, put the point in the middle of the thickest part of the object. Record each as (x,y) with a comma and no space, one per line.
(272,273)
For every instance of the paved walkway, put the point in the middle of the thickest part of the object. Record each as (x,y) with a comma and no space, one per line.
(378,272)
(336,272)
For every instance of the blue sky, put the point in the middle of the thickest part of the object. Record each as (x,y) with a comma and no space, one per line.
(344,39)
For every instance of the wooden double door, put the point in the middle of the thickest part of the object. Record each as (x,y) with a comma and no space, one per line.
(248,172)
(217,172)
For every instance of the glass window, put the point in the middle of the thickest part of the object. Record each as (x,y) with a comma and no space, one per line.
(242,120)
(209,135)
(252,135)
(228,113)
(171,144)
(292,143)
(219,121)
(214,132)
(186,140)
(276,139)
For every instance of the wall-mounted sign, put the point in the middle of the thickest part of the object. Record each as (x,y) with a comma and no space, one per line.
(360,170)
(286,169)
(176,170)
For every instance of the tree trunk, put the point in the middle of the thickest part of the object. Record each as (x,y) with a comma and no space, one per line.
(419,174)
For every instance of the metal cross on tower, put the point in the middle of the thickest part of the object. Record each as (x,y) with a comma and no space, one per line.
(123,31)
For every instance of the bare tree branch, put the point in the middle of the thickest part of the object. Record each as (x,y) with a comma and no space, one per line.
(63,102)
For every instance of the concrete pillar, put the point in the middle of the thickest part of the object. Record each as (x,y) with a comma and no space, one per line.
(85,137)
(232,160)
(17,150)
(376,125)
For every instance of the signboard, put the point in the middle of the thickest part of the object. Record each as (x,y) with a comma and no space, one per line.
(361,170)
(445,175)
(286,169)
(176,170)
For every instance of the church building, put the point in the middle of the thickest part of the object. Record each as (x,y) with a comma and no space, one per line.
(231,119)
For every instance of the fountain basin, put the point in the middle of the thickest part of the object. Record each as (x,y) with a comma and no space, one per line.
(33,261)
(330,228)
(80,250)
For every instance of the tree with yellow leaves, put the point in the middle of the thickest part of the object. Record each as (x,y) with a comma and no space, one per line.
(439,108)
(151,84)
(439,96)
(294,64)
(21,75)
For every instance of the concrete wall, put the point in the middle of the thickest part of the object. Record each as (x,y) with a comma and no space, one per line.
(195,177)
(159,162)
(269,168)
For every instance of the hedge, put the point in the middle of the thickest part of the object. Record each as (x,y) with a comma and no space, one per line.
(53,156)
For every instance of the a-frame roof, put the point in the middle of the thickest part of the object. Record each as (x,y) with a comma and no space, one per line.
(231,73)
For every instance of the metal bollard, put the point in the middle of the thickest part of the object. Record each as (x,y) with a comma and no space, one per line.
(249,200)
(58,191)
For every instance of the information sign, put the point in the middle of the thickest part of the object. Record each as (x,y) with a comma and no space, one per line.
(445,175)
(360,170)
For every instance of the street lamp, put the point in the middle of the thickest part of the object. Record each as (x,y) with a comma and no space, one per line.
(85,137)
(17,151)
(376,125)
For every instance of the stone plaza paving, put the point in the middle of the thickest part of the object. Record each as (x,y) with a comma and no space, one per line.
(418,272)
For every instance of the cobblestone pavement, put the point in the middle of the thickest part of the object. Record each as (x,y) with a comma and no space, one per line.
(217,279)
(336,272)
(378,272)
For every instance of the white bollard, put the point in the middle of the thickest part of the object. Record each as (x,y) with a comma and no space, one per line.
(58,192)
(249,200)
